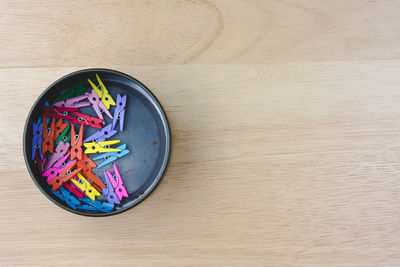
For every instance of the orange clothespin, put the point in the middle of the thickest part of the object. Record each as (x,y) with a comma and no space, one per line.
(76,143)
(64,176)
(86,164)
(60,127)
(95,181)
(48,136)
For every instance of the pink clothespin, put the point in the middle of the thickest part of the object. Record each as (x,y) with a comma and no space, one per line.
(117,183)
(73,190)
(97,105)
(73,102)
(59,152)
(58,167)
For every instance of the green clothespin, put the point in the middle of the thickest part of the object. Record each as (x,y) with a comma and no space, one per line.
(74,90)
(63,136)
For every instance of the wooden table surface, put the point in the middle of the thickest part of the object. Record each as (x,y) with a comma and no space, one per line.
(285,120)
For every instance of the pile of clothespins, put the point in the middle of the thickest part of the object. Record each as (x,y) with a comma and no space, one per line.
(57,147)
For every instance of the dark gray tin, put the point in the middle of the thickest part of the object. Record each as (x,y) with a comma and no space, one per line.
(146,131)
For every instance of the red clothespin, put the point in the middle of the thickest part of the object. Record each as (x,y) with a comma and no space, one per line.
(40,162)
(76,143)
(73,190)
(87,120)
(48,136)
(61,113)
(60,127)
(64,176)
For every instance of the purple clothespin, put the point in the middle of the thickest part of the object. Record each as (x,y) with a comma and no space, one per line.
(101,135)
(59,152)
(117,183)
(109,191)
(98,105)
(37,138)
(73,102)
(119,112)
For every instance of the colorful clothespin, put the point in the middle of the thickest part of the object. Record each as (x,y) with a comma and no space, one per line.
(101,135)
(61,113)
(66,196)
(40,163)
(52,172)
(101,147)
(65,175)
(119,112)
(85,186)
(117,183)
(63,136)
(60,127)
(76,143)
(97,105)
(74,90)
(60,151)
(112,156)
(109,191)
(102,92)
(48,134)
(95,181)
(84,119)
(86,163)
(37,139)
(72,189)
(73,102)
(95,205)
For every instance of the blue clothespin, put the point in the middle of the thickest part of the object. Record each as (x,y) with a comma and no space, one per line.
(101,135)
(119,112)
(96,205)
(63,194)
(46,104)
(37,138)
(112,156)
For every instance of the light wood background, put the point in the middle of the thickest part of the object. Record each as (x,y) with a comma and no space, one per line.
(285,119)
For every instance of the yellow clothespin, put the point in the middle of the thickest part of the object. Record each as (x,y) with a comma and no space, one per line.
(103,93)
(101,147)
(85,186)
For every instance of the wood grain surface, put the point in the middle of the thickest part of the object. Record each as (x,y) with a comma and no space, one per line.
(285,119)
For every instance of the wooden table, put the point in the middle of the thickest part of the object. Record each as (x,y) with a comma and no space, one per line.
(285,119)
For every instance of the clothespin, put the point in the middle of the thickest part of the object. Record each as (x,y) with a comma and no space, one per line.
(96,205)
(69,199)
(59,152)
(52,172)
(72,189)
(86,120)
(117,183)
(37,139)
(48,134)
(112,156)
(97,105)
(101,147)
(109,191)
(65,175)
(86,163)
(74,90)
(119,112)
(76,143)
(102,92)
(60,127)
(95,181)
(73,102)
(63,136)
(85,186)
(40,162)
(61,113)
(101,135)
